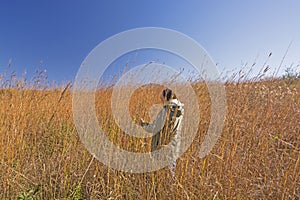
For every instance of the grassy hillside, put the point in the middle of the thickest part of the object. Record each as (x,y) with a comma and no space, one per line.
(256,157)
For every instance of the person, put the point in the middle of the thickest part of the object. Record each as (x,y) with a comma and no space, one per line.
(167,126)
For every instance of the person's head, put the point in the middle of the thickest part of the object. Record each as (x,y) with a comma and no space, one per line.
(167,95)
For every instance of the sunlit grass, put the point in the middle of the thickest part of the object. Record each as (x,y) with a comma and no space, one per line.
(256,157)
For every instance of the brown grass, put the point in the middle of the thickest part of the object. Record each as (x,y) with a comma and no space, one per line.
(256,157)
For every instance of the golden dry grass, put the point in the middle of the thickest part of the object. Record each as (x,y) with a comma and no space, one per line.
(256,157)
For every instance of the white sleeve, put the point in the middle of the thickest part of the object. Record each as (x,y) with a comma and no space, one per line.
(157,124)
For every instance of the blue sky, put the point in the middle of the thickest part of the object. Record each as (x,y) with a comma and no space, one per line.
(62,33)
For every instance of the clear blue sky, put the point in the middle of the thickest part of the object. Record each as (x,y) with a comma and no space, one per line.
(62,33)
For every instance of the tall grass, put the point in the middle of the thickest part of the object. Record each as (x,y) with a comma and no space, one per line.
(256,157)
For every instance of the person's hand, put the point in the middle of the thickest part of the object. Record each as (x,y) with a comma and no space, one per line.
(141,121)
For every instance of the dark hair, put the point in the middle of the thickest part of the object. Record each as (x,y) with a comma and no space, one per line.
(168,94)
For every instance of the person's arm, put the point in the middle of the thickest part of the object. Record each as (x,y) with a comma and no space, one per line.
(157,124)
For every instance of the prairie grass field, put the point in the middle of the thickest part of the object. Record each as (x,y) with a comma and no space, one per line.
(256,157)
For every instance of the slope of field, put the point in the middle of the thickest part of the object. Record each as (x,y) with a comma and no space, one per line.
(256,157)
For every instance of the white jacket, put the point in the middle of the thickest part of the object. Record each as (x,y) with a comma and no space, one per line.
(167,124)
